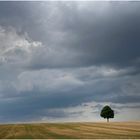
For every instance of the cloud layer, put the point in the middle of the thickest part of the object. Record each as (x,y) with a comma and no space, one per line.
(63,61)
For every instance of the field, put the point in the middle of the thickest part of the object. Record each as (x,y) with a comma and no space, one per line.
(118,130)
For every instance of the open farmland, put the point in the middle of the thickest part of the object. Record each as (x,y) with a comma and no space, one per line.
(71,130)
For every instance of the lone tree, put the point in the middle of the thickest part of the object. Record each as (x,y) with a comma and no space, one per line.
(107,113)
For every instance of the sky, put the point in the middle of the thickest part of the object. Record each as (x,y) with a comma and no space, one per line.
(63,61)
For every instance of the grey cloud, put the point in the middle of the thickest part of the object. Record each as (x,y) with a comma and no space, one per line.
(36,91)
(111,41)
(63,54)
(108,35)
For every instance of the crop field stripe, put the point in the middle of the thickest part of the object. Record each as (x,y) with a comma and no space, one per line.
(114,128)
(71,130)
(4,130)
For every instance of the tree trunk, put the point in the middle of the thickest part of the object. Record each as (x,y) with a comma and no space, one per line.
(107,119)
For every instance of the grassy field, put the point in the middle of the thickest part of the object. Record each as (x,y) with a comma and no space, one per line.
(111,130)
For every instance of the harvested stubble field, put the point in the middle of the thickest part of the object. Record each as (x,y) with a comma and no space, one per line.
(112,130)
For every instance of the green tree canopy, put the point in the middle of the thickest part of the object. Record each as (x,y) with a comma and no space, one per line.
(107,113)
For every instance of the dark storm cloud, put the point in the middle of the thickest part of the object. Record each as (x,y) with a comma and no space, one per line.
(112,40)
(63,54)
(92,36)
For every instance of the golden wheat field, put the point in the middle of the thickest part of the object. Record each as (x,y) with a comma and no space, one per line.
(113,130)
